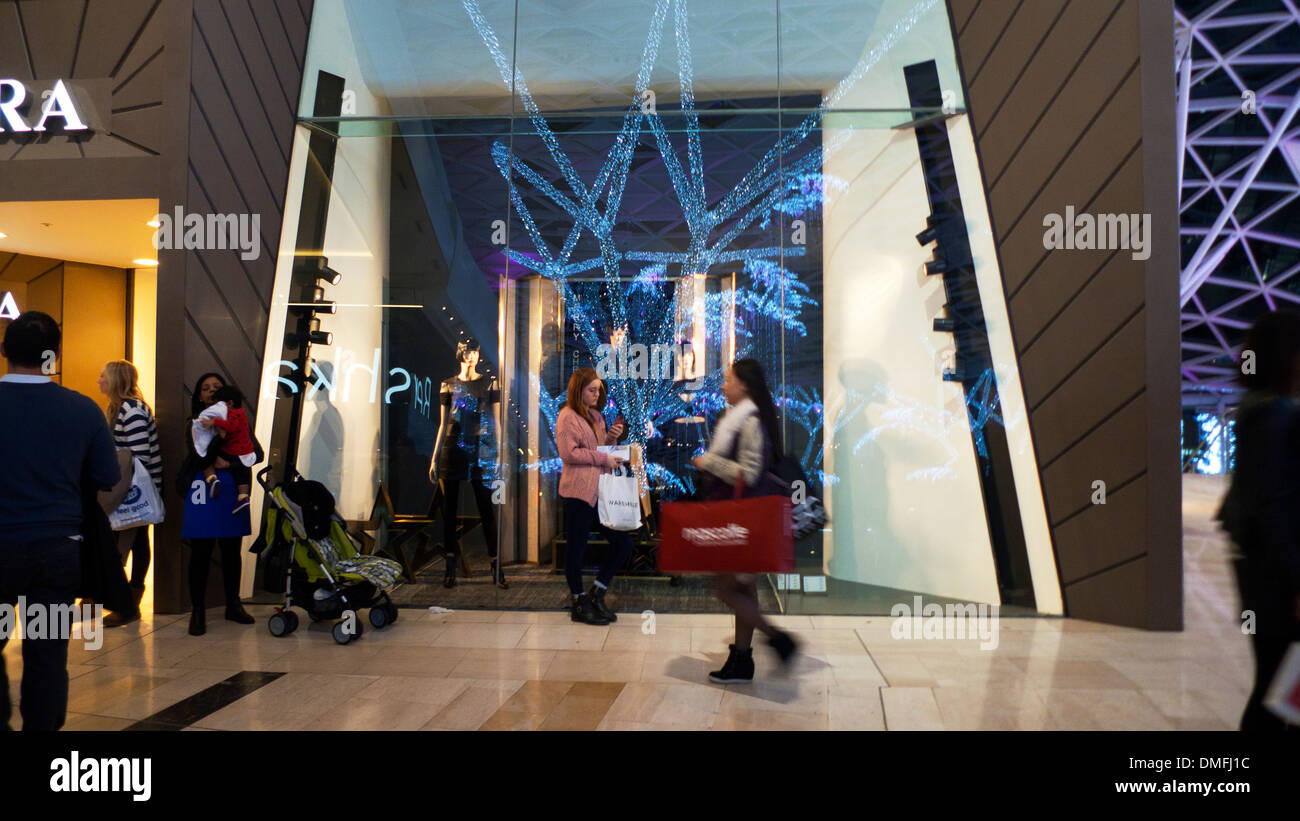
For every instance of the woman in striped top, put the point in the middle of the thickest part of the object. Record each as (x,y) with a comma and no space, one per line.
(134,429)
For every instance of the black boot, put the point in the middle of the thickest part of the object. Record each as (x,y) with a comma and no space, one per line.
(499,576)
(238,614)
(738,669)
(198,622)
(584,613)
(449,580)
(785,646)
(597,596)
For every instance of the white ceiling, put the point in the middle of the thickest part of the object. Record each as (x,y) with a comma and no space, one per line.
(100,232)
(593,48)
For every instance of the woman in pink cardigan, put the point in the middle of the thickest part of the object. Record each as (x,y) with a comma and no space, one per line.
(579,430)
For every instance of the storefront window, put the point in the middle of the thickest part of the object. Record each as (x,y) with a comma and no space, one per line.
(656,192)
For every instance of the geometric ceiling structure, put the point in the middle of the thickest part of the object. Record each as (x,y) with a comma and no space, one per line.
(1238,92)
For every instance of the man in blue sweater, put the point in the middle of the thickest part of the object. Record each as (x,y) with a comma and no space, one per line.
(51,441)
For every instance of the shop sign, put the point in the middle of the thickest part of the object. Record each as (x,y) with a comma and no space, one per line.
(58,113)
(9,306)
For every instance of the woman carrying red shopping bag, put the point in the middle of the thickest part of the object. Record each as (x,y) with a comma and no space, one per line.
(745,447)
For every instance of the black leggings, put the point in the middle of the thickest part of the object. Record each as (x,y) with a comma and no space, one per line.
(135,542)
(201,560)
(450,511)
(579,519)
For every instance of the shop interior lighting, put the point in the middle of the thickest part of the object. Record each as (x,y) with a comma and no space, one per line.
(147,263)
(321,338)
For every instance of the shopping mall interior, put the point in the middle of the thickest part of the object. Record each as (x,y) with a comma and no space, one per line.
(406,229)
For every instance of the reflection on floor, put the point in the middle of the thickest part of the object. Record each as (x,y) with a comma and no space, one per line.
(489,670)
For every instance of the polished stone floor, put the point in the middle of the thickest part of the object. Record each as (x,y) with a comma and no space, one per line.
(494,670)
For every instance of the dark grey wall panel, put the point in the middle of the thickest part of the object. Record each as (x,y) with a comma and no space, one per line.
(1086,541)
(984,30)
(232,124)
(1086,398)
(1114,453)
(1058,93)
(1019,98)
(1116,592)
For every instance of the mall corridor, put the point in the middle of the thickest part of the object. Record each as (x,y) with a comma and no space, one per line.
(492,670)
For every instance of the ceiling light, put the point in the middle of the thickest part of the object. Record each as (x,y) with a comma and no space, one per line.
(147,263)
(3,235)
(153,223)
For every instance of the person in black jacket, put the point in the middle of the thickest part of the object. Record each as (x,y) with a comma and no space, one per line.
(1262,509)
(55,443)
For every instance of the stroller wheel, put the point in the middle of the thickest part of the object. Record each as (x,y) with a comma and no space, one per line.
(379,617)
(279,625)
(293,620)
(341,634)
(392,612)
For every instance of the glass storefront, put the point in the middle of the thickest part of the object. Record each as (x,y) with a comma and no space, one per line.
(655,191)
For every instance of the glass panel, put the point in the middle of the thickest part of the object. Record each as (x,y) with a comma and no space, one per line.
(740,211)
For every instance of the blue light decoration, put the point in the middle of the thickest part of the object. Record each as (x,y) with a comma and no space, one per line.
(780,185)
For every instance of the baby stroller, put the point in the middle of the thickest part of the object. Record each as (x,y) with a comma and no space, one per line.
(310,558)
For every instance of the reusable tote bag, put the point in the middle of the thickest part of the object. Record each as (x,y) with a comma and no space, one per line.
(736,535)
(142,505)
(619,501)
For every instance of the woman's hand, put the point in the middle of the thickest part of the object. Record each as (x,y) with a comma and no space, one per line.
(616,430)
(695,462)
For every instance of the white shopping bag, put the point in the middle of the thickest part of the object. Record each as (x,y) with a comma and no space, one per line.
(619,504)
(1283,696)
(142,505)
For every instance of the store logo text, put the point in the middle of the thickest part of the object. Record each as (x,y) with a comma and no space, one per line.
(58,105)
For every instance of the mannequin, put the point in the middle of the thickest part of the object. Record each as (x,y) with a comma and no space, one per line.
(465,450)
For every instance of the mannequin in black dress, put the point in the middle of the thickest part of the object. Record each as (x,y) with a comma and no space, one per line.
(465,450)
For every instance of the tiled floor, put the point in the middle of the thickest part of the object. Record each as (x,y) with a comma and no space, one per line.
(491,670)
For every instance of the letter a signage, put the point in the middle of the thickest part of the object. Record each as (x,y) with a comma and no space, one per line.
(8,306)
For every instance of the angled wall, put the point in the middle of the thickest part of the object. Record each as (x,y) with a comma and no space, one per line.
(1071,104)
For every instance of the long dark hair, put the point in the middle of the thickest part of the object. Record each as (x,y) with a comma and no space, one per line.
(750,374)
(196,404)
(1271,346)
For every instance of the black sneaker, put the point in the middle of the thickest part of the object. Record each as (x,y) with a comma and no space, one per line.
(739,668)
(786,647)
(584,613)
(597,596)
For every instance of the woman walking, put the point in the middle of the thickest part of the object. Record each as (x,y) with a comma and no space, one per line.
(134,429)
(1262,509)
(210,522)
(579,431)
(746,443)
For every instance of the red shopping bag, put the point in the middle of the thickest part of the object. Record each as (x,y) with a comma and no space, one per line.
(731,536)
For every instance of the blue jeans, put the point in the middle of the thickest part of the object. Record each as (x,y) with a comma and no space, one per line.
(46,572)
(579,517)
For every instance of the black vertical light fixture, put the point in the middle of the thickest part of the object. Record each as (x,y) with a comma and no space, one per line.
(310,276)
(963,317)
